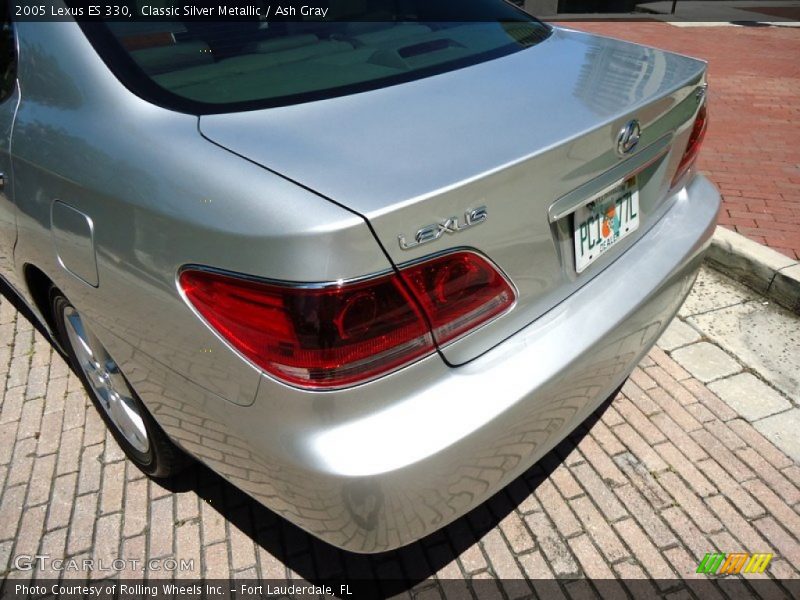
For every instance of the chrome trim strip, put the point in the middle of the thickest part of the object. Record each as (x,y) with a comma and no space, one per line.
(279,282)
(339,282)
(583,195)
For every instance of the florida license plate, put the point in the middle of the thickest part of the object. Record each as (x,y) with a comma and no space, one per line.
(604,222)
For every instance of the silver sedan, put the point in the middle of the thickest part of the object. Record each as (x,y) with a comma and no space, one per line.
(369,269)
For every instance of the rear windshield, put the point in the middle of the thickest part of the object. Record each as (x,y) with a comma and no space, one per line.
(224,66)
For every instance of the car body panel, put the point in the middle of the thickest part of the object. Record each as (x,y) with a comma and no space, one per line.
(418,138)
(155,209)
(487,135)
(375,467)
(378,465)
(8,210)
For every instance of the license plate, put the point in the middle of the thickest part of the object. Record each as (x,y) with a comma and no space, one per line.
(604,222)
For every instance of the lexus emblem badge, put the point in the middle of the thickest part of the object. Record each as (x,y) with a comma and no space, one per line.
(628,137)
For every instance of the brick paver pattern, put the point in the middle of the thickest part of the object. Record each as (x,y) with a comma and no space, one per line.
(658,477)
(752,148)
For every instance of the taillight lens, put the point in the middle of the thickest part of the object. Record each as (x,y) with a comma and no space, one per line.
(458,292)
(693,147)
(337,335)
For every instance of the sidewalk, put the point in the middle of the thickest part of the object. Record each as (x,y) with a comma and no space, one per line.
(678,465)
(778,11)
(751,150)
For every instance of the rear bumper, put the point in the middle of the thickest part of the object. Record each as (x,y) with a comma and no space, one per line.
(381,465)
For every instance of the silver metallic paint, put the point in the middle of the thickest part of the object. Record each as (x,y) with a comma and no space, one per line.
(8,212)
(89,149)
(375,466)
(73,238)
(513,134)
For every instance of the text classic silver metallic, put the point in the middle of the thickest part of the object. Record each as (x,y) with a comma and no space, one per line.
(367,271)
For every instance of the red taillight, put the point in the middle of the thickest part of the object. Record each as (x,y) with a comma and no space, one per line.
(693,147)
(333,336)
(458,292)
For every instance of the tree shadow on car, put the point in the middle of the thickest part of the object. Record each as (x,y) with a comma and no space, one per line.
(286,551)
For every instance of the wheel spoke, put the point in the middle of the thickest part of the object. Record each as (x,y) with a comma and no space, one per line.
(109,386)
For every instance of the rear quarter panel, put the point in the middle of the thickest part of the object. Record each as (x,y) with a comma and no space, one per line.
(160,197)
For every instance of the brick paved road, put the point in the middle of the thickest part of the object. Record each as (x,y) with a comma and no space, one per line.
(752,150)
(658,477)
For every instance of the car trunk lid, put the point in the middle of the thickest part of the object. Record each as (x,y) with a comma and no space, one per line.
(530,136)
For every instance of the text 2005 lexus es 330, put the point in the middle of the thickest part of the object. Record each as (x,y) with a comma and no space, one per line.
(369,270)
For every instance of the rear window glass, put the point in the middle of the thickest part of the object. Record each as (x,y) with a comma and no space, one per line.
(221,66)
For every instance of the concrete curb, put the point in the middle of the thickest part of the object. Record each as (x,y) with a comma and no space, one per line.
(767,271)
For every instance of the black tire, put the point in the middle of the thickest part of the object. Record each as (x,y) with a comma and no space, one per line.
(163,459)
